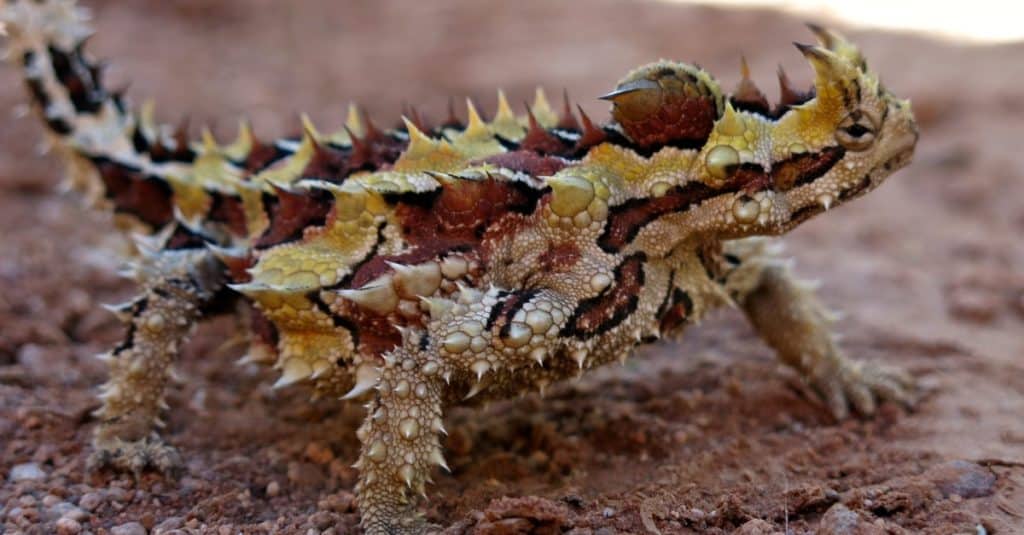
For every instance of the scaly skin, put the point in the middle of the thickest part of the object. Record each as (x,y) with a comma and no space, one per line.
(425,267)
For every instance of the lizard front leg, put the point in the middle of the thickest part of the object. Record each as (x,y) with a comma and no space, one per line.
(470,347)
(788,316)
(400,442)
(176,284)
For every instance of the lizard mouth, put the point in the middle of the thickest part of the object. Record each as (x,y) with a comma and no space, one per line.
(866,183)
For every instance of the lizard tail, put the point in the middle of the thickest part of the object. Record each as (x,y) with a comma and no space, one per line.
(106,145)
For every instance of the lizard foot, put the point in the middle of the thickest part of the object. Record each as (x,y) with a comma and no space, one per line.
(147,453)
(862,385)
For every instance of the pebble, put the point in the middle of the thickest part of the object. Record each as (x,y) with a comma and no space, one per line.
(755,527)
(962,478)
(131,528)
(168,524)
(26,472)
(840,520)
(90,501)
(67,526)
(273,489)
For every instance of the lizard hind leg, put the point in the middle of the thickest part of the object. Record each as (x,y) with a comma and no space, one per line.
(789,317)
(175,286)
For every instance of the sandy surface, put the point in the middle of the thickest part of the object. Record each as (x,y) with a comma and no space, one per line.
(705,435)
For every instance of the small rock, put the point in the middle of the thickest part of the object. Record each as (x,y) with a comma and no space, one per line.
(27,500)
(50,500)
(840,520)
(755,527)
(339,502)
(26,472)
(67,510)
(608,512)
(319,453)
(168,524)
(273,489)
(90,501)
(305,475)
(67,526)
(116,494)
(962,478)
(131,528)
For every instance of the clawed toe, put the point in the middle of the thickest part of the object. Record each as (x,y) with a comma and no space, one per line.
(862,386)
(150,453)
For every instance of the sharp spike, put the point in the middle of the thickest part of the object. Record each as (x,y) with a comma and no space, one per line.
(209,142)
(579,356)
(437,306)
(123,311)
(542,109)
(453,120)
(747,95)
(371,132)
(367,377)
(407,472)
(591,135)
(378,296)
(567,120)
(180,135)
(437,458)
(480,368)
(475,126)
(294,369)
(475,389)
(419,143)
(308,129)
(242,145)
(353,121)
(504,113)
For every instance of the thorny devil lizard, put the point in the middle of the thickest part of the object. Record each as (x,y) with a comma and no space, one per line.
(431,265)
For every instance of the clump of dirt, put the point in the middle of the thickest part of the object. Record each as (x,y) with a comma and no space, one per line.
(706,435)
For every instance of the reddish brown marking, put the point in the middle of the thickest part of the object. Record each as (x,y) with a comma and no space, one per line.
(260,156)
(228,209)
(680,308)
(238,268)
(559,258)
(600,314)
(328,164)
(373,333)
(591,134)
(456,217)
(292,213)
(539,140)
(789,96)
(748,97)
(528,162)
(749,178)
(567,121)
(804,168)
(262,328)
(627,219)
(668,115)
(147,198)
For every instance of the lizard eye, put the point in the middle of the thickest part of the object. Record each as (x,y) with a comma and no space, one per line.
(856,132)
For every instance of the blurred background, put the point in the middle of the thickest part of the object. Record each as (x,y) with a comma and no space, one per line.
(704,435)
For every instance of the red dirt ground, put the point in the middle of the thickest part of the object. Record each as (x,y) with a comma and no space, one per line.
(705,435)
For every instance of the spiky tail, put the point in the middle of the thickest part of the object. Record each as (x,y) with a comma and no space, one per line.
(86,123)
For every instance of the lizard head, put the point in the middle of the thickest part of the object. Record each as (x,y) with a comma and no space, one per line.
(769,168)
(814,150)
